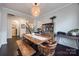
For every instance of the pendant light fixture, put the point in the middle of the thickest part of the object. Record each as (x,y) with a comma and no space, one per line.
(35,9)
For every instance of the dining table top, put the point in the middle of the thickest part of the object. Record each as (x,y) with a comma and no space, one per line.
(37,39)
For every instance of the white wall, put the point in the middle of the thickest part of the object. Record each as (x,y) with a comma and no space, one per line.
(0,26)
(11,20)
(22,30)
(67,18)
(9,31)
(20,16)
(18,21)
(4,26)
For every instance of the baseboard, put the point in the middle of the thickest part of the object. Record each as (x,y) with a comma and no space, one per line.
(3,44)
(9,38)
(0,45)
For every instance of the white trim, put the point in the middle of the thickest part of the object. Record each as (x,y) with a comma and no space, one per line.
(17,13)
(3,44)
(0,27)
(0,45)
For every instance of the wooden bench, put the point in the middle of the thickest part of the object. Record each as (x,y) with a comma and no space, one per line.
(25,49)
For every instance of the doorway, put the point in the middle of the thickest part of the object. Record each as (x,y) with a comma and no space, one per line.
(13,26)
(14,29)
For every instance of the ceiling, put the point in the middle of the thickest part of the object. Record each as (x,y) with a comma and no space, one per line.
(26,7)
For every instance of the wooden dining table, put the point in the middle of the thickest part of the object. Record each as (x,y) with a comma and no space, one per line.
(37,39)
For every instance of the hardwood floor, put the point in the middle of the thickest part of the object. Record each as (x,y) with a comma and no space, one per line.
(10,49)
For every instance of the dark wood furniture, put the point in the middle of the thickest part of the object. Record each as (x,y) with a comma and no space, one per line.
(48,27)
